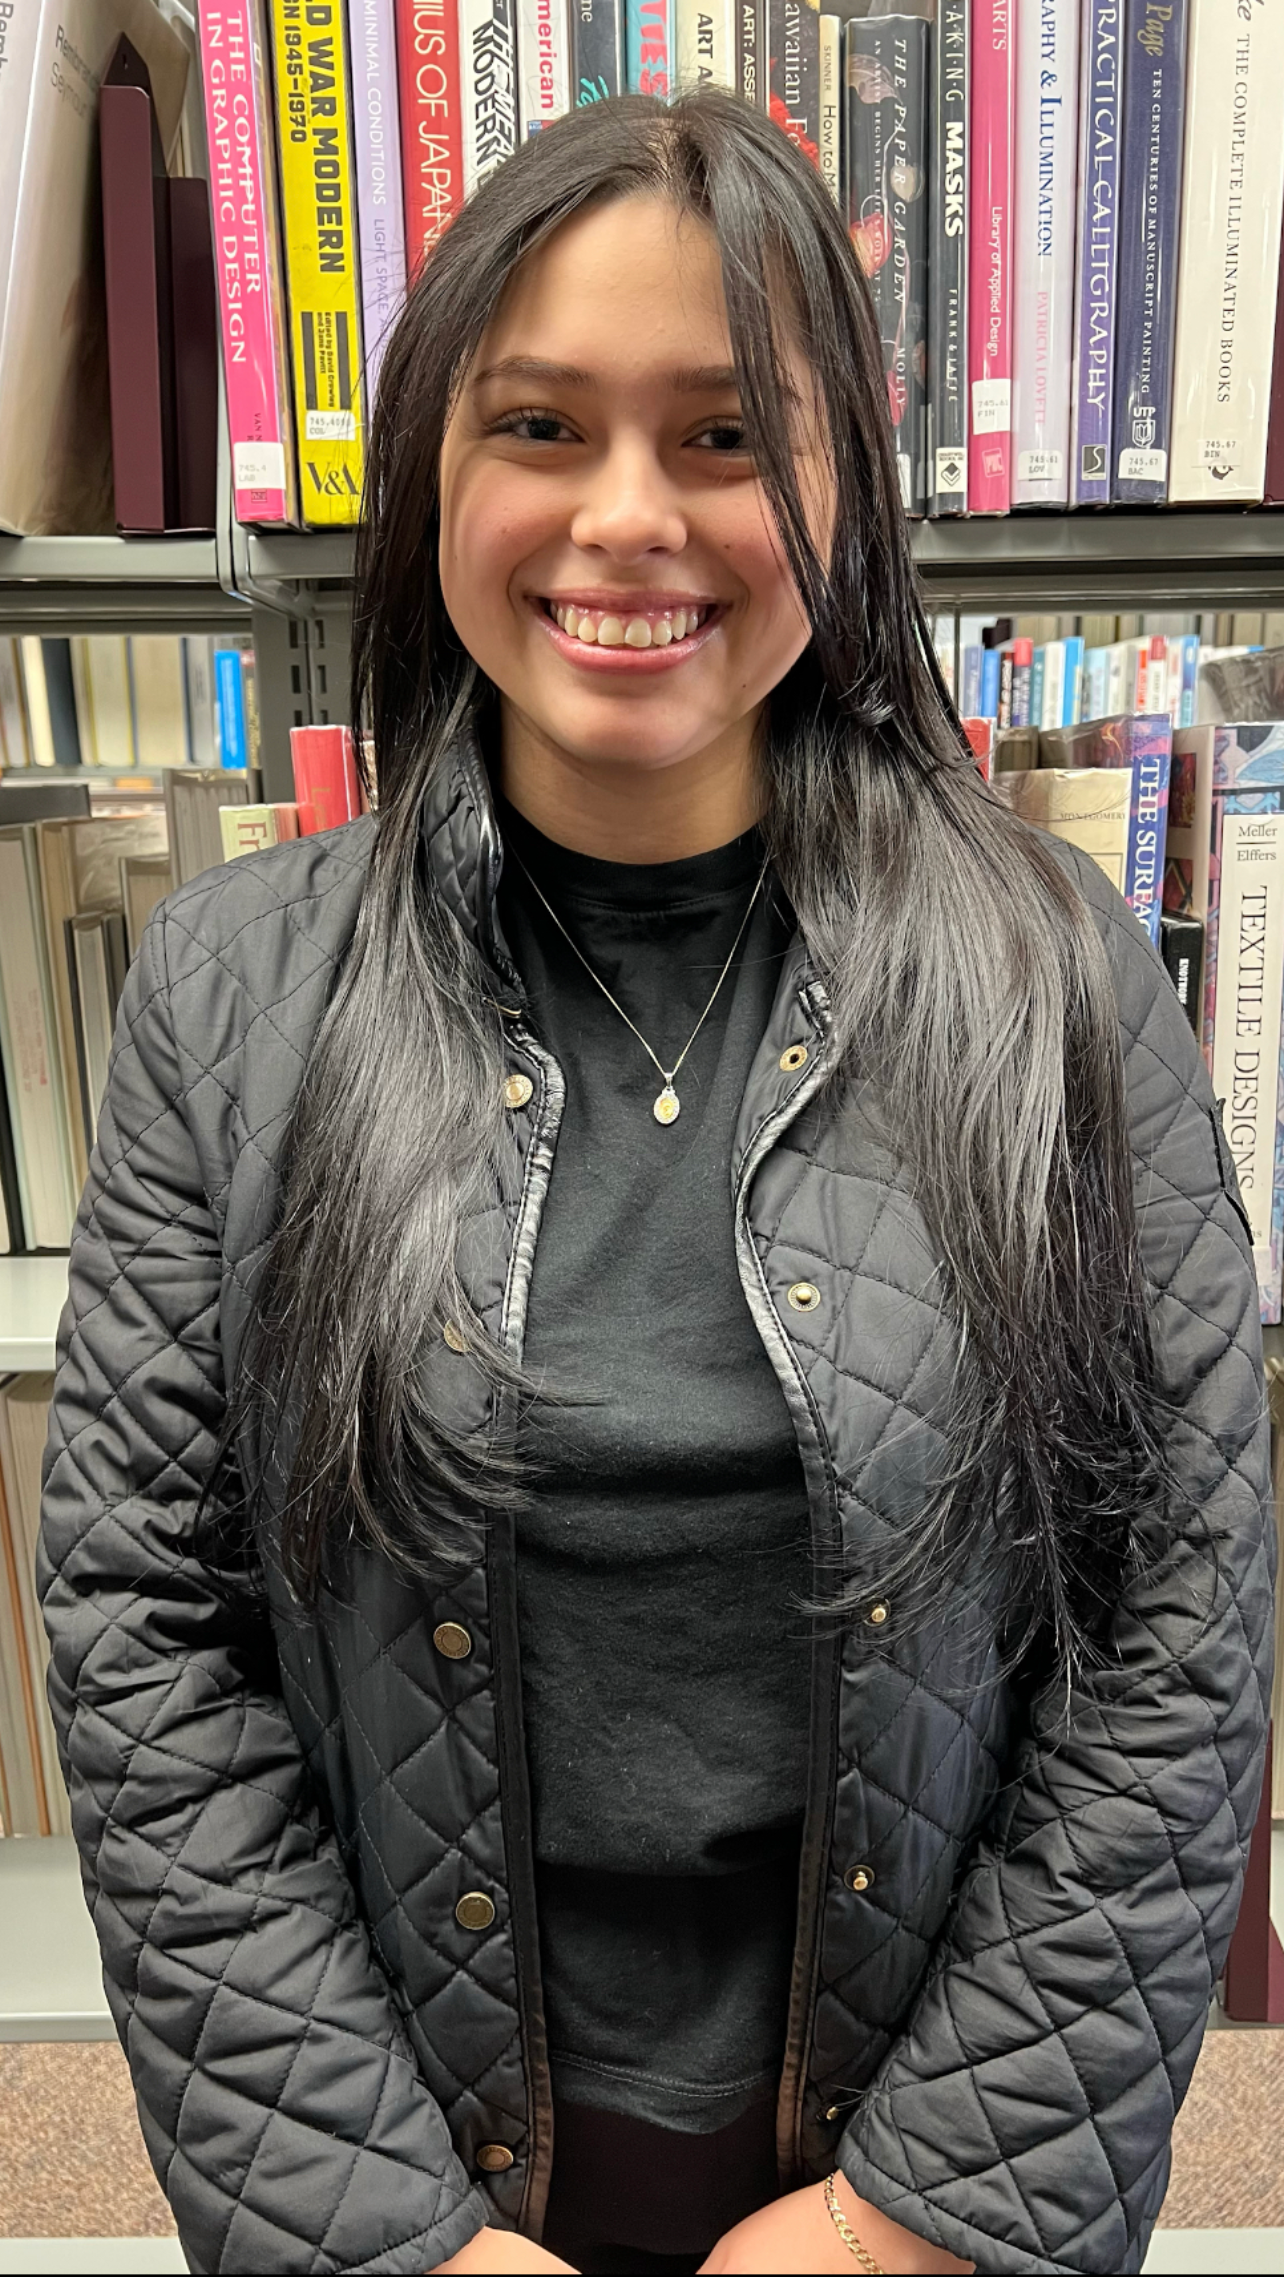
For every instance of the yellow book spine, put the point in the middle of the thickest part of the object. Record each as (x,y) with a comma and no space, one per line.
(319,225)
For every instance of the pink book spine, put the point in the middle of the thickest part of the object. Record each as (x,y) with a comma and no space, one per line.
(241,194)
(990,261)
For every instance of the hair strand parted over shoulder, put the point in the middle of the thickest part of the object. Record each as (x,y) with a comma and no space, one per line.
(968,985)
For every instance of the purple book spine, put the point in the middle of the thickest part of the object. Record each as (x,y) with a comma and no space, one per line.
(1153,115)
(1097,233)
(376,137)
(1151,746)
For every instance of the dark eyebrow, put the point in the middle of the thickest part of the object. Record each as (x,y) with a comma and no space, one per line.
(702,379)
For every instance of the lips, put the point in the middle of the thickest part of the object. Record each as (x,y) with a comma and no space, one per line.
(622,627)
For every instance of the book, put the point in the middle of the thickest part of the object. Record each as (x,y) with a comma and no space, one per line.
(1181,945)
(1088,806)
(376,156)
(1231,200)
(751,77)
(24,1428)
(29,1046)
(55,410)
(104,704)
(1274,482)
(22,1785)
(793,72)
(886,58)
(250,699)
(193,796)
(704,44)
(947,262)
(598,62)
(247,829)
(94,948)
(989,284)
(488,83)
(1045,158)
(318,219)
(160,700)
(1141,748)
(15,750)
(144,880)
(326,783)
(198,688)
(1152,125)
(543,63)
(430,101)
(830,138)
(1096,240)
(235,43)
(60,700)
(232,733)
(648,29)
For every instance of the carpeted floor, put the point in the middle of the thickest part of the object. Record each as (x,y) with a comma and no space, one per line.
(73,2162)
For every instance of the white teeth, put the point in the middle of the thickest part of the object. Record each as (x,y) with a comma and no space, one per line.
(610,633)
(587,630)
(679,624)
(661,633)
(617,632)
(637,633)
(570,620)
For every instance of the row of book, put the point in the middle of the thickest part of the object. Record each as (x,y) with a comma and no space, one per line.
(33,1799)
(120,702)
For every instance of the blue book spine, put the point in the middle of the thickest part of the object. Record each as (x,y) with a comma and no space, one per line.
(1096,245)
(229,691)
(1072,688)
(649,27)
(1151,744)
(1095,666)
(971,704)
(1189,678)
(989,684)
(1038,670)
(1154,110)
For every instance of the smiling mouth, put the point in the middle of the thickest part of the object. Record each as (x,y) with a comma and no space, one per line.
(607,628)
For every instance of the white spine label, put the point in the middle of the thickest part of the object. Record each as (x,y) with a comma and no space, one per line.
(1143,466)
(991,406)
(1040,466)
(331,426)
(258,466)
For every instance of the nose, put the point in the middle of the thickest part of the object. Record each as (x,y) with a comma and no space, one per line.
(628,506)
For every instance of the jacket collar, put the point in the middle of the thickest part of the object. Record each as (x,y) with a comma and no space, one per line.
(463,849)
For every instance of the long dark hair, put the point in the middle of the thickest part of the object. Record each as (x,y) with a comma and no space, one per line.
(966,976)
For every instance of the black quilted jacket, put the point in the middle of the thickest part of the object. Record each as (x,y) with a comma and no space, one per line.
(1008,1934)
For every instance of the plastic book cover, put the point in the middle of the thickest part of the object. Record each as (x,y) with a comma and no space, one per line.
(1096,235)
(1141,747)
(1088,806)
(314,144)
(1153,119)
(381,224)
(886,60)
(705,43)
(1275,412)
(488,80)
(649,46)
(947,267)
(793,72)
(431,102)
(543,63)
(1232,192)
(597,51)
(751,77)
(989,284)
(1046,154)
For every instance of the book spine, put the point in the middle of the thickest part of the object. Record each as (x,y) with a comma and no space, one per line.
(831,106)
(1097,229)
(1150,744)
(1154,102)
(990,262)
(947,268)
(326,784)
(1246,984)
(238,126)
(705,43)
(1072,689)
(887,216)
(488,79)
(381,226)
(751,78)
(793,72)
(597,50)
(430,101)
(1047,99)
(648,28)
(970,706)
(229,697)
(1274,483)
(990,676)
(543,63)
(309,53)
(1232,192)
(246,829)
(1181,945)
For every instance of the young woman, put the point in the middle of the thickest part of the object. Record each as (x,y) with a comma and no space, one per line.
(657,1512)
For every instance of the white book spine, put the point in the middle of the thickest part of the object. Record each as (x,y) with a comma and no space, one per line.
(1228,264)
(1247,1017)
(1047,111)
(1054,683)
(705,41)
(19,32)
(85,721)
(13,710)
(831,106)
(31,1065)
(39,724)
(107,659)
(543,62)
(198,662)
(488,77)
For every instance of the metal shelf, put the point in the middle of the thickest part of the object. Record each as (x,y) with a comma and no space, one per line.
(33,1291)
(51,1979)
(1156,560)
(106,584)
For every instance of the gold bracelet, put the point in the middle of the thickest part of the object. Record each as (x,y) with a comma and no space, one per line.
(847,2233)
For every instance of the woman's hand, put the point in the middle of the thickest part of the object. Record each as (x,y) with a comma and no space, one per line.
(497,2253)
(796,2237)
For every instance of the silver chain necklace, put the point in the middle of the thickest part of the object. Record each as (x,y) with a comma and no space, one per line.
(667,1107)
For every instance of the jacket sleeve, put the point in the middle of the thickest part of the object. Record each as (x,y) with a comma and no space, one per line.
(1023,2119)
(280,2102)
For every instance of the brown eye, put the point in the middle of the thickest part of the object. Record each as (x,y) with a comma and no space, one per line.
(728,436)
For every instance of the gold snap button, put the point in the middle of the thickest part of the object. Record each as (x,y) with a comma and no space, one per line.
(833,2112)
(517,1090)
(795,1057)
(450,1335)
(879,1613)
(474,1910)
(452,1641)
(494,2158)
(859,1878)
(804,1296)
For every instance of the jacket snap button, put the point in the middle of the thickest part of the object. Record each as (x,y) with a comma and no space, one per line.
(517,1090)
(452,1641)
(474,1910)
(795,1057)
(494,2158)
(879,1613)
(804,1296)
(450,1335)
(859,1878)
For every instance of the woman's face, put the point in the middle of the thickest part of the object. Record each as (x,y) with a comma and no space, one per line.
(607,554)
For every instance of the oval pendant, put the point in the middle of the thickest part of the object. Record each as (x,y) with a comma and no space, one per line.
(667,1107)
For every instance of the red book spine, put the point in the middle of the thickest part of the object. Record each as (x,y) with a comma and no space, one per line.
(432,122)
(326,785)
